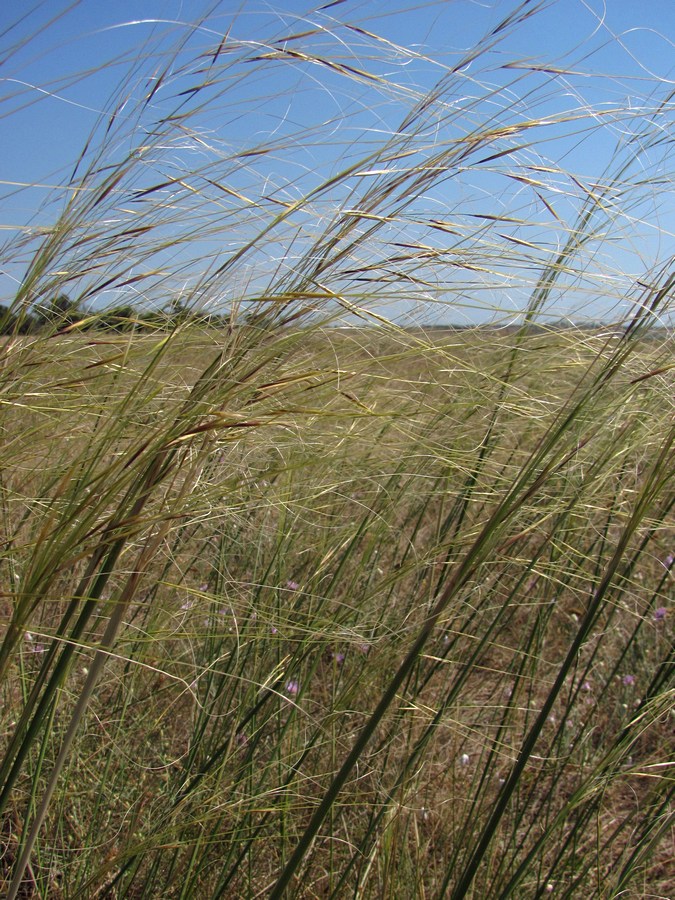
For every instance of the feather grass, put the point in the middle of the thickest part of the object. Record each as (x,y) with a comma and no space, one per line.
(292,609)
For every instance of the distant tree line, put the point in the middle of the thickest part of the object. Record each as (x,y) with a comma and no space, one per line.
(62,313)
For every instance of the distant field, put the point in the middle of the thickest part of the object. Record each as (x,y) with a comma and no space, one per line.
(276,536)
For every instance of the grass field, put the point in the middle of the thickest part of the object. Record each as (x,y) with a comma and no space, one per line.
(381,610)
(476,527)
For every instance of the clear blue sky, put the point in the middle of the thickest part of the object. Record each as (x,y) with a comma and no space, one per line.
(62,64)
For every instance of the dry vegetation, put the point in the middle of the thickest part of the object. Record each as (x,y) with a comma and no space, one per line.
(356,476)
(373,611)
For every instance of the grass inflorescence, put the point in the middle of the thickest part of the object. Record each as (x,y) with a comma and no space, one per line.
(378,610)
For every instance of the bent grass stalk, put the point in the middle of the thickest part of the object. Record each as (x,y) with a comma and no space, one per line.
(390,564)
(157,471)
(485,543)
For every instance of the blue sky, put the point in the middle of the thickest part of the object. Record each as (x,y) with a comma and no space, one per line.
(66,66)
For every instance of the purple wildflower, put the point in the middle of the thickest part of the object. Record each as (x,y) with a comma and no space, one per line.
(339,658)
(669,560)
(586,686)
(660,614)
(628,680)
(34,647)
(292,585)
(292,687)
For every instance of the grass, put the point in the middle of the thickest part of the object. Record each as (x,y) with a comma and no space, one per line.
(293,610)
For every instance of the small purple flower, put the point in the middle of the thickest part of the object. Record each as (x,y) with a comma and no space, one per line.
(586,686)
(292,687)
(628,680)
(274,630)
(203,587)
(240,739)
(292,585)
(188,604)
(363,648)
(464,759)
(660,614)
(338,658)
(669,560)
(34,647)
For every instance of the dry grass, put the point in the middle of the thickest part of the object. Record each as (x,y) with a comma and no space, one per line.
(374,611)
(269,621)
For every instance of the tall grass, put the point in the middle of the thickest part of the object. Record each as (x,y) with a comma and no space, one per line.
(377,611)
